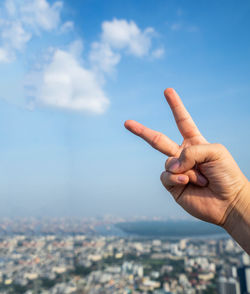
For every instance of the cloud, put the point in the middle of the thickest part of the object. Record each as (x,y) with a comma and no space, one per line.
(69,83)
(176,26)
(76,48)
(62,78)
(15,36)
(4,56)
(37,14)
(117,37)
(179,26)
(192,29)
(158,53)
(21,20)
(121,34)
(67,26)
(103,58)
(64,83)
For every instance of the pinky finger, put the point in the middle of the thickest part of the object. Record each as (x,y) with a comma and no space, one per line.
(169,180)
(175,184)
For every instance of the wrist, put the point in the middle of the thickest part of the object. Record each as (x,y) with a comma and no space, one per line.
(237,222)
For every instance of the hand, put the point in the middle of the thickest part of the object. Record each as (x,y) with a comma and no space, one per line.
(204,180)
(186,126)
(227,186)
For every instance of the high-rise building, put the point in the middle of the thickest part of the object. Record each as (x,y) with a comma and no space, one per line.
(228,286)
(244,277)
(245,259)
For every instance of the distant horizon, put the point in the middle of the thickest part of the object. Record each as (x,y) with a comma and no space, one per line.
(111,226)
(93,217)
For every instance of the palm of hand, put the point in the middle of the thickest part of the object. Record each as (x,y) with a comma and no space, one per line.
(206,202)
(213,202)
(203,203)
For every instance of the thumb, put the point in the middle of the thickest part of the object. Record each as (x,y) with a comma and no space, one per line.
(196,154)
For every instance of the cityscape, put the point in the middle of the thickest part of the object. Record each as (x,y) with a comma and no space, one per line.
(94,256)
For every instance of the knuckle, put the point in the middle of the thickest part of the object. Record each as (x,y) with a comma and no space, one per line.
(156,139)
(167,162)
(221,149)
(187,152)
(219,146)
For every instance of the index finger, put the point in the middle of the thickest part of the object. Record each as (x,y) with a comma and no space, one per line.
(183,119)
(156,139)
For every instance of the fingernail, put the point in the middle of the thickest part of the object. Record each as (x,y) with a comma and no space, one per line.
(182,179)
(202,181)
(174,165)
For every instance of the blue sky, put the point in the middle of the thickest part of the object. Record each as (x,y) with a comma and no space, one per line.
(74,71)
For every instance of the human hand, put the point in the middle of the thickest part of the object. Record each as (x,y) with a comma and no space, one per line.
(207,183)
(188,129)
(227,187)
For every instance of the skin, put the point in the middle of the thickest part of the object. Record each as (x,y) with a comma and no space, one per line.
(203,178)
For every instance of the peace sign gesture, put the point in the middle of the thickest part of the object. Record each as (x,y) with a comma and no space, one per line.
(188,129)
(203,178)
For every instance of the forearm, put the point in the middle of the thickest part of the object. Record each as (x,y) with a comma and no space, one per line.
(237,223)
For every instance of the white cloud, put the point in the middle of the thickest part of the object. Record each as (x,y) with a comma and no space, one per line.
(4,56)
(39,14)
(158,53)
(121,34)
(176,26)
(21,20)
(103,58)
(76,48)
(67,26)
(179,26)
(62,79)
(10,7)
(14,36)
(65,83)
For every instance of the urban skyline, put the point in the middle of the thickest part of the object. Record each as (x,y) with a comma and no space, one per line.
(63,259)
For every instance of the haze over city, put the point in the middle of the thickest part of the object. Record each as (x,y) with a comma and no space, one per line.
(74,71)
